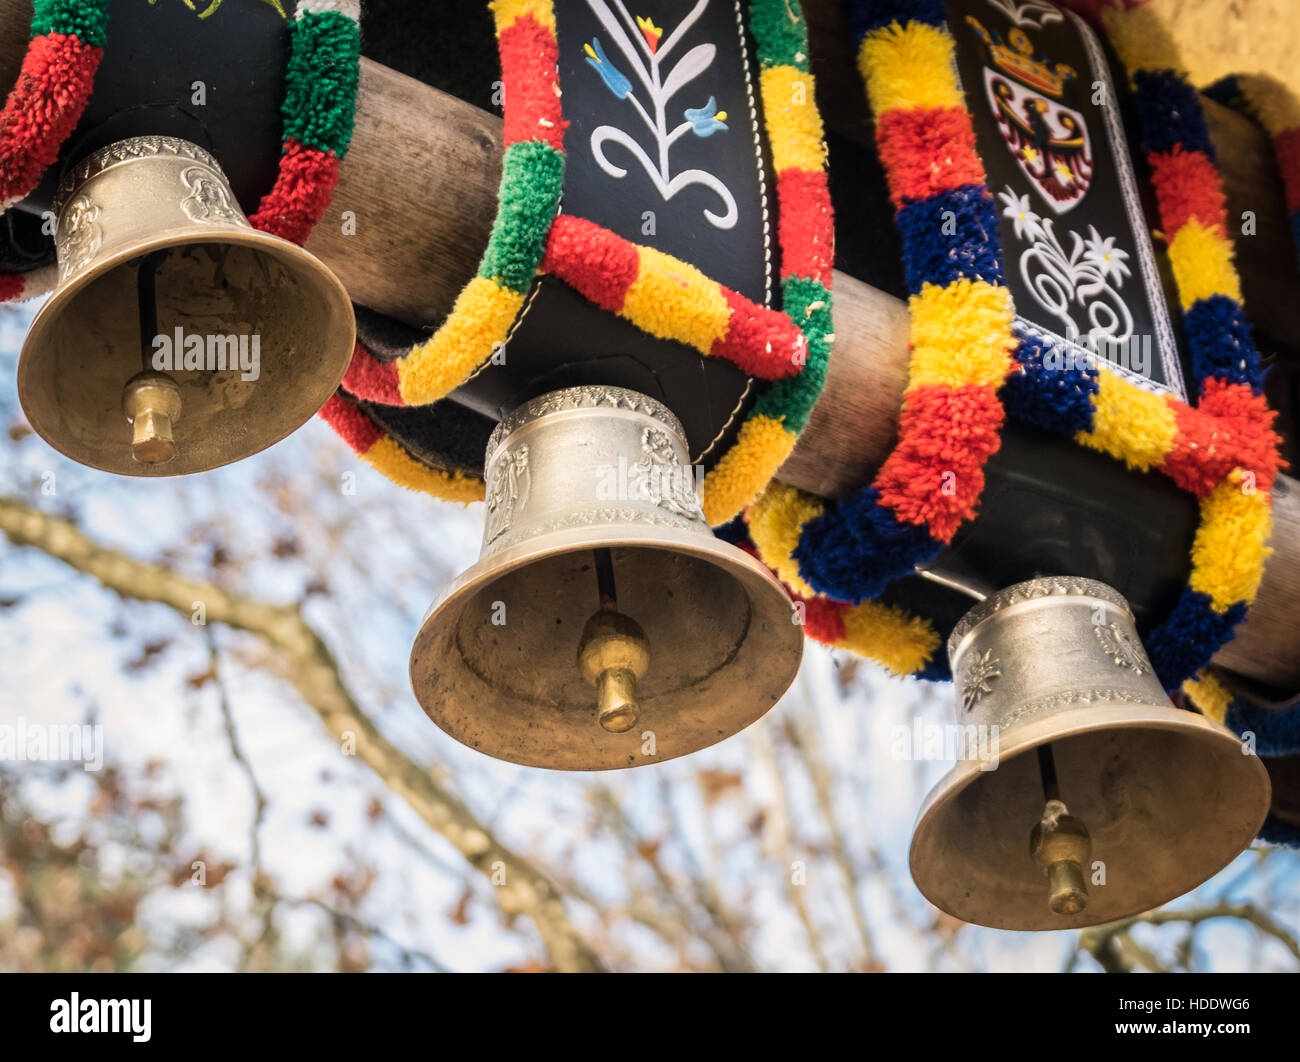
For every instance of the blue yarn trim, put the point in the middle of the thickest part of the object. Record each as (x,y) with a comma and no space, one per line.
(1058,399)
(1275,831)
(1276,733)
(734,531)
(857,546)
(1170,113)
(951,236)
(867,15)
(1221,343)
(938,669)
(1191,634)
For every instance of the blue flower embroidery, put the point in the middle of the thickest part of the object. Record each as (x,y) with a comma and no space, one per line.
(609,73)
(706,120)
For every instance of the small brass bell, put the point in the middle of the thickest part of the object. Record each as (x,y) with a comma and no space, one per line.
(179,337)
(1085,795)
(603,625)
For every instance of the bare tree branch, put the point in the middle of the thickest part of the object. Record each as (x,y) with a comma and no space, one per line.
(311,668)
(1112,945)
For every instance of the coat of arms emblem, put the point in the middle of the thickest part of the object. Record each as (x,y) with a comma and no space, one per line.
(1049,140)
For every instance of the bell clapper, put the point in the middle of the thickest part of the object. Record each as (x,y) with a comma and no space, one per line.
(613,654)
(1060,844)
(151,400)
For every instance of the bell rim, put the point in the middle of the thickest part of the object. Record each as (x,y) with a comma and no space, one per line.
(225,233)
(487,569)
(1043,731)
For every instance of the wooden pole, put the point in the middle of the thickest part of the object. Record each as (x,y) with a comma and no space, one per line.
(420,180)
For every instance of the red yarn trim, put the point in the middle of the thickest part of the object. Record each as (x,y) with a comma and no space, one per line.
(927,151)
(301,194)
(759,341)
(807,249)
(371,379)
(43,108)
(1187,186)
(12,285)
(529,55)
(935,475)
(602,265)
(352,425)
(592,260)
(823,619)
(1231,427)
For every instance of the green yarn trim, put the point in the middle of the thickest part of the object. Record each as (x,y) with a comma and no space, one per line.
(85,19)
(780,41)
(532,178)
(321,81)
(791,400)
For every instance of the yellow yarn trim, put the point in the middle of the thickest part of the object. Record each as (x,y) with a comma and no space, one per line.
(1129,423)
(674,300)
(481,319)
(388,457)
(961,334)
(1140,39)
(1231,545)
(1202,264)
(761,447)
(909,67)
(793,124)
(508,12)
(903,644)
(1208,695)
(775,521)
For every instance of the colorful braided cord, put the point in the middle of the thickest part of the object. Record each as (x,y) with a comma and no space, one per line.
(658,293)
(387,455)
(320,100)
(53,89)
(44,106)
(1275,107)
(319,105)
(1223,449)
(961,314)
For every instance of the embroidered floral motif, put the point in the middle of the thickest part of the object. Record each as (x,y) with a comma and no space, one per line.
(1079,285)
(642,45)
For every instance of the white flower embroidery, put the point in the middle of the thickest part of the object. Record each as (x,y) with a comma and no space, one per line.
(1079,286)
(1109,259)
(1018,212)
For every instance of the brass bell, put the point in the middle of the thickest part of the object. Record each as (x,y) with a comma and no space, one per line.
(603,625)
(1083,794)
(179,337)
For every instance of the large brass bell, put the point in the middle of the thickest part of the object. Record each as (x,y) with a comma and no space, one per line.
(179,337)
(1087,796)
(604,625)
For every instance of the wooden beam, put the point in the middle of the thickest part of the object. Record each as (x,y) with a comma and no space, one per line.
(421,180)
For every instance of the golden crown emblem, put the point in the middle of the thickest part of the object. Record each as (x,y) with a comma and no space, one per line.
(1016,57)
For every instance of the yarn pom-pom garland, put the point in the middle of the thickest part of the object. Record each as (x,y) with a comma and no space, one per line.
(968,365)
